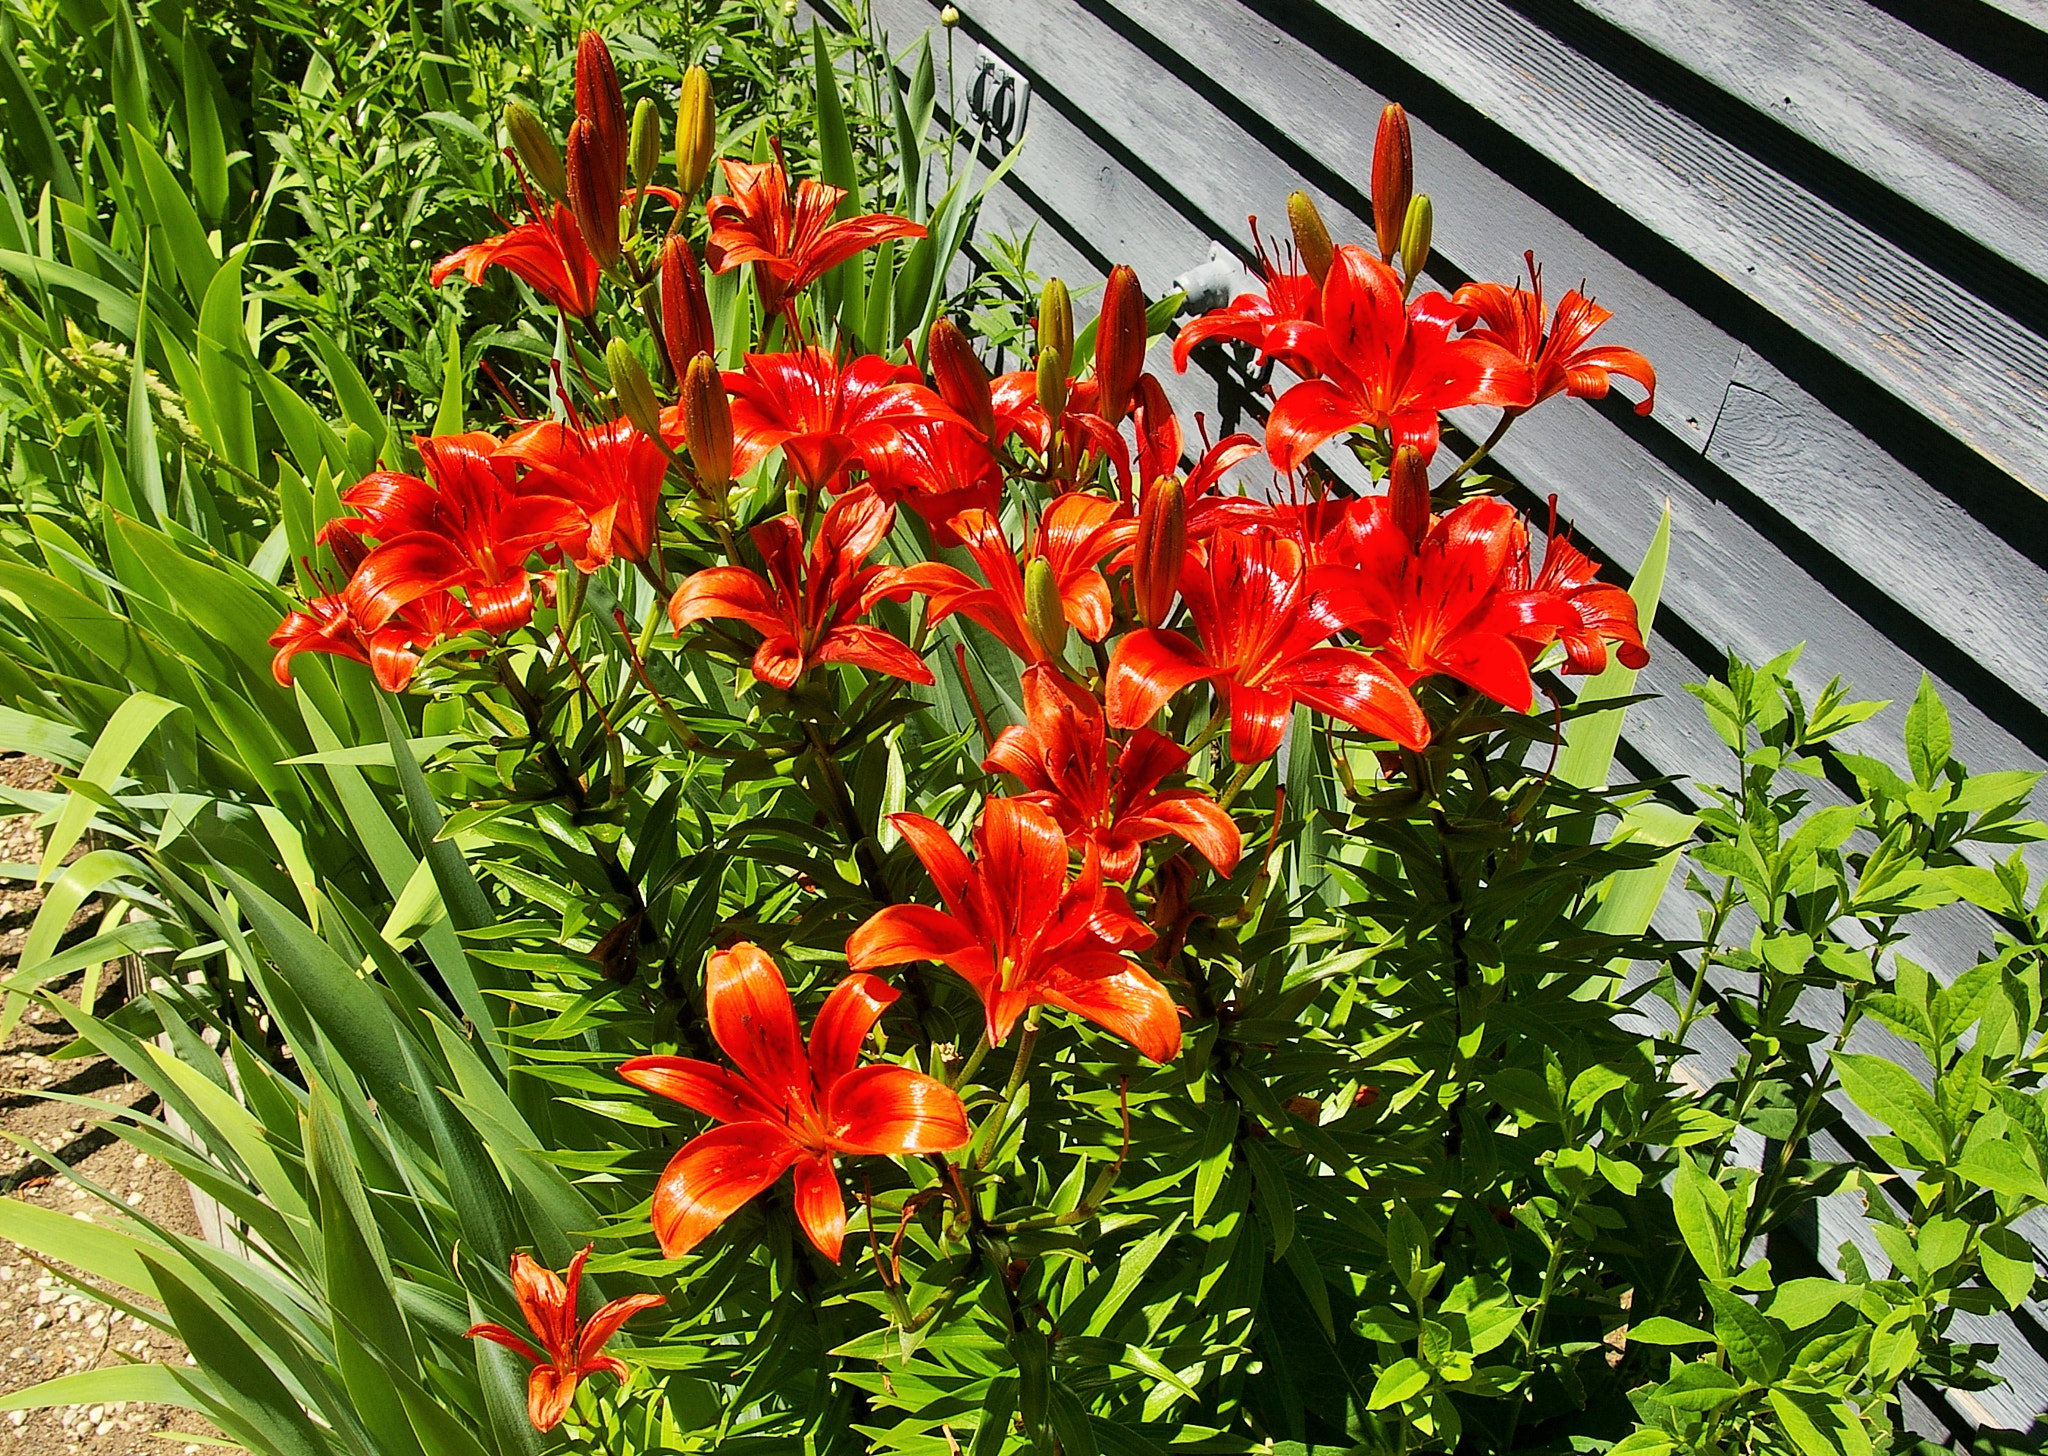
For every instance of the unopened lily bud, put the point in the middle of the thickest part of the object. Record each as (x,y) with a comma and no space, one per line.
(592,199)
(1056,322)
(696,131)
(1162,543)
(643,154)
(600,102)
(1043,613)
(707,423)
(1393,178)
(635,392)
(1052,384)
(1415,235)
(685,311)
(1119,343)
(535,149)
(962,381)
(1311,237)
(949,16)
(1408,493)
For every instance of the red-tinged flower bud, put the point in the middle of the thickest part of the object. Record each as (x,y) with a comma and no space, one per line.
(1393,179)
(643,153)
(696,131)
(1052,383)
(1043,612)
(1311,237)
(1159,437)
(1056,322)
(535,149)
(685,311)
(1415,238)
(1162,545)
(600,102)
(1408,494)
(707,424)
(962,381)
(1119,343)
(633,389)
(593,202)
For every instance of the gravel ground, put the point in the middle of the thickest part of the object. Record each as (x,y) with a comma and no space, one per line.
(47,1326)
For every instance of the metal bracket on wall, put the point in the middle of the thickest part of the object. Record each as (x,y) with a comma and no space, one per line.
(997,99)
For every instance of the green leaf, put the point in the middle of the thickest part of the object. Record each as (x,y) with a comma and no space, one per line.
(155,1384)
(1818,1426)
(1213,1160)
(130,727)
(107,1253)
(1276,1199)
(1752,1342)
(145,465)
(1701,1206)
(224,367)
(1660,1330)
(262,1404)
(1398,1382)
(1892,1095)
(206,153)
(1697,1388)
(1928,737)
(1590,740)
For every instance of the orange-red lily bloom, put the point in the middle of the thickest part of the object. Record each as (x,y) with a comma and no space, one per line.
(1086,438)
(612,472)
(1060,753)
(1559,361)
(1262,622)
(547,251)
(1385,364)
(564,1350)
(465,527)
(1074,534)
(786,1107)
(939,470)
(1605,612)
(1290,296)
(1457,602)
(825,417)
(807,605)
(1017,931)
(392,651)
(791,240)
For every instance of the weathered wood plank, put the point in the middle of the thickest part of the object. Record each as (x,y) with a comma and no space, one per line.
(1971,369)
(1965,145)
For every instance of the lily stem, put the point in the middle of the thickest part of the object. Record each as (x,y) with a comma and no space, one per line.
(1507,418)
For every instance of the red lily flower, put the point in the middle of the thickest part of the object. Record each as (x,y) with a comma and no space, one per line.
(1384,364)
(1086,438)
(1074,534)
(939,470)
(805,608)
(568,1352)
(1160,445)
(468,529)
(825,418)
(1017,932)
(786,1107)
(1559,362)
(1605,612)
(547,251)
(1061,755)
(1260,622)
(613,473)
(392,651)
(791,241)
(1291,296)
(1456,602)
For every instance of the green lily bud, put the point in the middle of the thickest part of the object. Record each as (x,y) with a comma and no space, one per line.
(1056,322)
(643,152)
(696,131)
(631,385)
(1043,612)
(1052,384)
(1311,237)
(1415,235)
(535,149)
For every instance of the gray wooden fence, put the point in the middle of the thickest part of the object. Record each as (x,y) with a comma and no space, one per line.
(1825,221)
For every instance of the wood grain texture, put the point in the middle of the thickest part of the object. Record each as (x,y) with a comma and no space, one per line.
(1964,144)
(1960,363)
